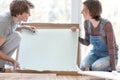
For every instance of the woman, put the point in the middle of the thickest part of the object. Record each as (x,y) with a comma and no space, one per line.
(99,33)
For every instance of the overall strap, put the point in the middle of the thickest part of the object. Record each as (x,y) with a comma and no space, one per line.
(103,22)
(89,27)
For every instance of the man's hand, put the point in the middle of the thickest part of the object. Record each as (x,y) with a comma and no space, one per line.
(31,28)
(19,29)
(16,65)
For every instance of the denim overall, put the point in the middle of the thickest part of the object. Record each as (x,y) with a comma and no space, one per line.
(98,59)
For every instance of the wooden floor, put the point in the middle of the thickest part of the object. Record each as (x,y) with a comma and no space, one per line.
(31,76)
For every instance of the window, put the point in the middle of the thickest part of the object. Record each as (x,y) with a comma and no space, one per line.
(53,11)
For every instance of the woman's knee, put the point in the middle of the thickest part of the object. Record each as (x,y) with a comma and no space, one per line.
(99,67)
(84,66)
(96,67)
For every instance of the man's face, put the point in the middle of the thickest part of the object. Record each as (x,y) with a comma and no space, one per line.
(23,17)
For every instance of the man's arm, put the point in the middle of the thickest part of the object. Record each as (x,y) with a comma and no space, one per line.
(2,40)
(30,28)
(7,58)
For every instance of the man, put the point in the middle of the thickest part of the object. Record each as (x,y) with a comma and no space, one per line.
(10,25)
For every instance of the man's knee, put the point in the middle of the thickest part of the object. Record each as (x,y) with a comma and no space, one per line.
(17,36)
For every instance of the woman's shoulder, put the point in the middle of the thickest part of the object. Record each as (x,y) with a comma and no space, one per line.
(86,23)
(106,24)
(103,20)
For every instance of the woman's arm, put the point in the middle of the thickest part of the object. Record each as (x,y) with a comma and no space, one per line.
(110,39)
(86,40)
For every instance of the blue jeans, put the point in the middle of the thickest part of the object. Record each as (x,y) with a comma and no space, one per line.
(95,63)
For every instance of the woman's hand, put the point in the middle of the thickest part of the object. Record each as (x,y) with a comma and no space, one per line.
(73,28)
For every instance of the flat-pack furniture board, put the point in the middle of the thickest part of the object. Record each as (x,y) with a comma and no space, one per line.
(52,47)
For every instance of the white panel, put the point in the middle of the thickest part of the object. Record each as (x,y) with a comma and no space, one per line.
(114,75)
(49,49)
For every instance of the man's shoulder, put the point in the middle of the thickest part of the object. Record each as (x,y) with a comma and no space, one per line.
(5,16)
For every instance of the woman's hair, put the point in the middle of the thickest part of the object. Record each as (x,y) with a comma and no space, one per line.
(95,8)
(20,6)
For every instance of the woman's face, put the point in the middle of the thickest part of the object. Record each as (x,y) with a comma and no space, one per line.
(85,13)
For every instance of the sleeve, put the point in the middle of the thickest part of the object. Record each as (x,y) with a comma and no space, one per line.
(110,43)
(86,40)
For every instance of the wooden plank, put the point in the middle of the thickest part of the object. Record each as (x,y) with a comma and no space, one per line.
(52,25)
(31,76)
(102,74)
(72,73)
